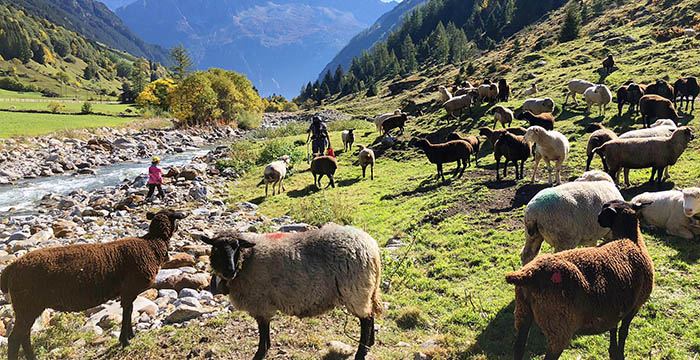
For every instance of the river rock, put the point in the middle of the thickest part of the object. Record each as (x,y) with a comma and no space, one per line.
(19,236)
(179,260)
(184,313)
(199,192)
(66,204)
(184,280)
(109,320)
(63,228)
(295,228)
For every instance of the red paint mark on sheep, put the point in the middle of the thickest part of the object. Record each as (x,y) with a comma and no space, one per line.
(556,277)
(276,236)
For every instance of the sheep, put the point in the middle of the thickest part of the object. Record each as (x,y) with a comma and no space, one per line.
(300,274)
(458,103)
(451,151)
(531,90)
(656,153)
(513,148)
(597,95)
(538,106)
(686,89)
(471,140)
(503,90)
(393,122)
(275,173)
(545,120)
(656,107)
(474,92)
(565,216)
(444,94)
(661,128)
(493,135)
(488,91)
(79,277)
(348,137)
(664,122)
(551,146)
(324,166)
(609,64)
(576,86)
(672,210)
(586,291)
(366,157)
(630,94)
(661,88)
(599,136)
(379,119)
(501,115)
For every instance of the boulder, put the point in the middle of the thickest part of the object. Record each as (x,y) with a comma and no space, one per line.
(184,280)
(179,260)
(183,313)
(63,228)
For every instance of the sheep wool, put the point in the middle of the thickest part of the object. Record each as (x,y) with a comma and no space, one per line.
(672,210)
(551,146)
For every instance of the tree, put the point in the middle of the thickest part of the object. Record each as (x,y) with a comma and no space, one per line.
(439,45)
(181,63)
(194,102)
(90,71)
(139,76)
(124,69)
(157,95)
(338,79)
(572,24)
(408,54)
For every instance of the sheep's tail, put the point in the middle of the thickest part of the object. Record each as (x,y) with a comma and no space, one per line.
(520,277)
(377,305)
(550,273)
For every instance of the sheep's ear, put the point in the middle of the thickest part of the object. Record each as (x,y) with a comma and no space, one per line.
(150,215)
(607,217)
(207,240)
(179,215)
(677,188)
(243,244)
(640,205)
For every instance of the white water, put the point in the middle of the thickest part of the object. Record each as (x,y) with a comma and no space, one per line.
(24,196)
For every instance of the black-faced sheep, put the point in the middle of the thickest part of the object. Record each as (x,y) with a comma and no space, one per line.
(472,140)
(545,120)
(672,210)
(324,166)
(586,291)
(538,106)
(275,173)
(661,88)
(502,115)
(599,136)
(513,148)
(379,119)
(503,90)
(79,277)
(597,95)
(394,122)
(686,89)
(451,151)
(492,135)
(565,216)
(656,107)
(301,274)
(576,86)
(551,146)
(348,137)
(609,64)
(366,157)
(630,94)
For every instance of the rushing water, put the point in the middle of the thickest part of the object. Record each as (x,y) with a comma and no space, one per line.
(24,196)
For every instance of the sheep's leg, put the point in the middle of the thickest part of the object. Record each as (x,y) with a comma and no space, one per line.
(331,183)
(440,172)
(523,324)
(573,96)
(464,166)
(534,172)
(363,171)
(127,332)
(498,174)
(666,175)
(627,176)
(264,343)
(605,165)
(282,184)
(612,350)
(660,177)
(549,172)
(505,168)
(622,337)
(522,168)
(366,329)
(21,336)
(588,161)
(266,184)
(371,171)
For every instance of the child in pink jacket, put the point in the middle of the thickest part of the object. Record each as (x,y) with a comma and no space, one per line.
(155,179)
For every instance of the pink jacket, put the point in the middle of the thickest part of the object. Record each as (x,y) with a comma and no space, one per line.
(155,175)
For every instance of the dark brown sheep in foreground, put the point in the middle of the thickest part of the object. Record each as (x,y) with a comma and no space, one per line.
(472,140)
(324,166)
(686,89)
(452,151)
(514,148)
(79,277)
(656,107)
(599,136)
(588,290)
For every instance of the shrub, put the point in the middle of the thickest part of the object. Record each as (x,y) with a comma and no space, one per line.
(248,120)
(86,108)
(290,129)
(319,209)
(8,83)
(411,318)
(55,107)
(276,148)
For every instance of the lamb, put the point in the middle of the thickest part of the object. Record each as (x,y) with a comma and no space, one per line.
(379,119)
(597,95)
(545,120)
(656,153)
(502,115)
(324,166)
(576,86)
(514,148)
(458,103)
(451,151)
(551,146)
(672,210)
(531,90)
(503,90)
(656,107)
(661,88)
(599,136)
(493,135)
(444,94)
(275,173)
(609,64)
(300,274)
(586,291)
(630,94)
(366,157)
(538,106)
(348,137)
(488,91)
(393,122)
(79,277)
(686,89)
(565,216)
(471,140)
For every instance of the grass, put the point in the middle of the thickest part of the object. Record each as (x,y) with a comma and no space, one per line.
(14,124)
(68,107)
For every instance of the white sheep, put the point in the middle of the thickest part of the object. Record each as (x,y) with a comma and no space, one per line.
(538,106)
(444,94)
(379,119)
(673,210)
(576,86)
(664,122)
(530,91)
(597,95)
(348,137)
(566,216)
(366,157)
(458,103)
(551,146)
(488,92)
(274,174)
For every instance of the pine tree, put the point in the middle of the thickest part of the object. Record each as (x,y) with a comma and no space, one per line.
(328,82)
(572,24)
(408,54)
(440,45)
(139,76)
(181,63)
(338,79)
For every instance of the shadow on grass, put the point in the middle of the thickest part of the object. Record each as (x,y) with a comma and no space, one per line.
(522,196)
(348,182)
(429,184)
(308,190)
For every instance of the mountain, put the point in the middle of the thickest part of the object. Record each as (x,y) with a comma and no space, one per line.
(94,21)
(279,44)
(115,4)
(377,32)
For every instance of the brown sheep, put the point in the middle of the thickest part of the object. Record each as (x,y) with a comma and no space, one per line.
(472,140)
(656,107)
(609,64)
(503,90)
(545,120)
(366,157)
(629,93)
(661,88)
(599,136)
(686,89)
(452,151)
(586,291)
(514,148)
(324,166)
(493,135)
(393,122)
(80,277)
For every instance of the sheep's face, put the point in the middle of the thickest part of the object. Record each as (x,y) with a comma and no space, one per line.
(226,253)
(613,209)
(168,216)
(533,133)
(691,201)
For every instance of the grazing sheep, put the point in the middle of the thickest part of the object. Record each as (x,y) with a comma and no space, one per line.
(597,95)
(576,86)
(324,166)
(274,174)
(599,136)
(686,89)
(661,88)
(502,115)
(379,119)
(366,157)
(661,128)
(452,151)
(394,122)
(545,120)
(538,106)
(551,146)
(301,274)
(531,90)
(488,91)
(609,64)
(444,94)
(630,94)
(474,92)
(458,103)
(656,107)
(79,277)
(565,216)
(348,137)
(493,135)
(656,153)
(586,291)
(672,210)
(503,90)
(513,148)
(471,140)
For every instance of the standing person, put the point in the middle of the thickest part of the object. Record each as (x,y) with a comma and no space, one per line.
(318,134)
(155,179)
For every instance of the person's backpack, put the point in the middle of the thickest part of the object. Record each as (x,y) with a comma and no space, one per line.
(318,131)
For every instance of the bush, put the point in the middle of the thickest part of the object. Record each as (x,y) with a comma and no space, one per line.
(248,121)
(11,84)
(276,148)
(290,129)
(55,107)
(242,157)
(340,125)
(319,209)
(86,108)
(411,318)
